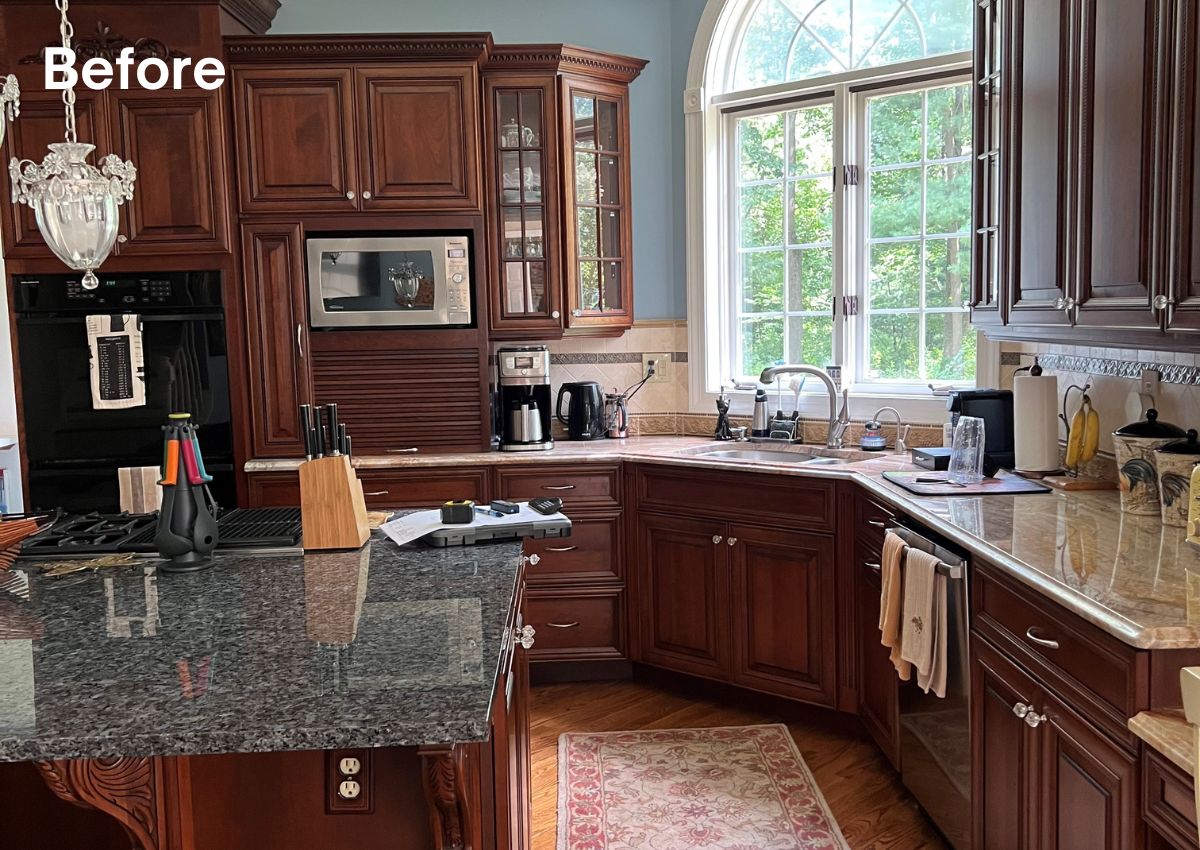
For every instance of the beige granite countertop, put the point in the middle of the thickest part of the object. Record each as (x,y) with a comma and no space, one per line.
(1170,734)
(1131,576)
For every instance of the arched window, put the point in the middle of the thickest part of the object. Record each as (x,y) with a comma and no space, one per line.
(830,163)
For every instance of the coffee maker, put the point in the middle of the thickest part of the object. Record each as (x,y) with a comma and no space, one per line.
(523,403)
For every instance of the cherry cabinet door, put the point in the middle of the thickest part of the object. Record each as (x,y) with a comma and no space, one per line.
(418,131)
(783,612)
(277,336)
(683,594)
(178,144)
(41,124)
(1004,754)
(1183,236)
(294,130)
(1088,788)
(878,683)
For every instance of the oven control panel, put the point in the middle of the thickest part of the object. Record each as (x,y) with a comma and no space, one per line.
(118,293)
(458,280)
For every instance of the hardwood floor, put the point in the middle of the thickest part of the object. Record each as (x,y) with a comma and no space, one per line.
(871,806)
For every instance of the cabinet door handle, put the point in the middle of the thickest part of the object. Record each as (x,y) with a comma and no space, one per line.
(300,341)
(732,541)
(1049,644)
(376,493)
(876,523)
(554,314)
(1033,720)
(524,636)
(349,196)
(1021,709)
(716,539)
(1065,304)
(533,560)
(561,548)
(1161,302)
(411,450)
(873,566)
(366,196)
(563,625)
(558,486)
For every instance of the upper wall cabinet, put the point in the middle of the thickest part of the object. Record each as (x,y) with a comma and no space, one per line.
(558,186)
(1077,240)
(327,126)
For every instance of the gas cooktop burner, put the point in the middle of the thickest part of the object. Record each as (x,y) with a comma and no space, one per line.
(74,535)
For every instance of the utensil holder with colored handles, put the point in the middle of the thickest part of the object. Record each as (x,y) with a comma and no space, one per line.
(333,512)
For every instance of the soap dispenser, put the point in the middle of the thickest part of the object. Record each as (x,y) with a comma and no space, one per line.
(760,425)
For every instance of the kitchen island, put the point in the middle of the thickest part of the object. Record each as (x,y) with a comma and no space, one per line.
(372,698)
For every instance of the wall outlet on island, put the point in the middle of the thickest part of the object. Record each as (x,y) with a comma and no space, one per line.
(662,366)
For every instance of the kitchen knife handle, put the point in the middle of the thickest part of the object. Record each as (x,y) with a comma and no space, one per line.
(342,438)
(305,428)
(332,417)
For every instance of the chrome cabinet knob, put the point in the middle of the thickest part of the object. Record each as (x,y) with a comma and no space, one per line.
(716,539)
(524,636)
(533,560)
(1067,303)
(1033,720)
(732,541)
(1161,302)
(1020,709)
(576,313)
(554,314)
(349,196)
(366,196)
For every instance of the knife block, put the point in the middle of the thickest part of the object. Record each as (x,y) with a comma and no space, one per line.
(332,510)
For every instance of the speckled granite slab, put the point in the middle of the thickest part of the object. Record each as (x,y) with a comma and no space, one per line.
(382,647)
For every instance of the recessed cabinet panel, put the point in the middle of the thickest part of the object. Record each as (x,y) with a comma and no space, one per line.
(1183,231)
(419,129)
(178,139)
(294,129)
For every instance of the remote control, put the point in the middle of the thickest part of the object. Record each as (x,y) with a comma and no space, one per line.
(546,505)
(505,507)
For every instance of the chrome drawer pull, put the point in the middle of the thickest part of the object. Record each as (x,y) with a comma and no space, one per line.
(561,548)
(376,493)
(875,523)
(409,451)
(1049,644)
(524,636)
(873,566)
(558,486)
(533,560)
(562,625)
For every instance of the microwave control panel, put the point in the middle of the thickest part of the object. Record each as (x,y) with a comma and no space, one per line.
(458,281)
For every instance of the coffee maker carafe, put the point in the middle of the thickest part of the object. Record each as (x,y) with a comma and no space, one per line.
(523,387)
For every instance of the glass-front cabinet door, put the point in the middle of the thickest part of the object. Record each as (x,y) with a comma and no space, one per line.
(523,161)
(599,271)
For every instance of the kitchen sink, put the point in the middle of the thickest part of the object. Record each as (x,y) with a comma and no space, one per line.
(798,455)
(768,455)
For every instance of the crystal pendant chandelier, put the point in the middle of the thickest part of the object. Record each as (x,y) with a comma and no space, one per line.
(10,102)
(75,203)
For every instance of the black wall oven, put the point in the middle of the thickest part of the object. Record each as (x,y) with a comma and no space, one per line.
(73,450)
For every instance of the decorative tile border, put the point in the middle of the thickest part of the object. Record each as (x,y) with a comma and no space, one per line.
(1172,373)
(596,358)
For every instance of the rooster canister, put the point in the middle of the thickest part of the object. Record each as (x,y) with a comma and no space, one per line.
(1174,463)
(1134,446)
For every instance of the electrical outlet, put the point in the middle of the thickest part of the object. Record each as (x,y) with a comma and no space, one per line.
(349,789)
(349,766)
(349,783)
(662,366)
(1151,378)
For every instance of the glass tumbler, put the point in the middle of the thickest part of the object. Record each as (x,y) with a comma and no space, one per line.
(966,452)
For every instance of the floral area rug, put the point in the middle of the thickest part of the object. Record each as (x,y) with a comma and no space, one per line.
(729,788)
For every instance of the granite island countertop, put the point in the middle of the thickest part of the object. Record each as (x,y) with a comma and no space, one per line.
(1131,576)
(386,646)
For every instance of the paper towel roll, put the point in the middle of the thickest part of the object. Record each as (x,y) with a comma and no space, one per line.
(1035,409)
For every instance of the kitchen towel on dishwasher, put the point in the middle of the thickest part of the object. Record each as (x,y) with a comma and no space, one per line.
(935,679)
(919,626)
(891,599)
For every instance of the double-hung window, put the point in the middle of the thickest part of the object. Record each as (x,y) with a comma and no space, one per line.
(836,149)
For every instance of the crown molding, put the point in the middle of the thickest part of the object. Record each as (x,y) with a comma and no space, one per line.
(256,15)
(467,46)
(567,58)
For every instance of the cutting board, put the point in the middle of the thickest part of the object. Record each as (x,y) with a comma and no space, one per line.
(1005,484)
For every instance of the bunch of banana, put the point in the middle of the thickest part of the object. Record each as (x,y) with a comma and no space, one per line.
(1083,436)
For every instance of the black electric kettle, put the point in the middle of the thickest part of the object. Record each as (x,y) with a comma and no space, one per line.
(585,411)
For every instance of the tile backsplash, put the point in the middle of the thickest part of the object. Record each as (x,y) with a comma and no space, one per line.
(1114,374)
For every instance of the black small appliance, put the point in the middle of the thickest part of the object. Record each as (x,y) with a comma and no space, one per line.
(995,408)
(523,399)
(585,410)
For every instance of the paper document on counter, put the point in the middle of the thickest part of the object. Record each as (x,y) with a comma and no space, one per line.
(410,527)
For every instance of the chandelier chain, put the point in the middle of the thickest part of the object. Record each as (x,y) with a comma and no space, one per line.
(68,32)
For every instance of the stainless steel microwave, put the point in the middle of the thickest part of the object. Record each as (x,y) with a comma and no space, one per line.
(389,281)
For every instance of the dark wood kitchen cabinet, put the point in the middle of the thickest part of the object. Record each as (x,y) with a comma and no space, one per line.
(878,684)
(325,126)
(279,374)
(1182,233)
(558,185)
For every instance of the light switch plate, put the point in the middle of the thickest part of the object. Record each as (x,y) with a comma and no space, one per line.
(662,366)
(1151,378)
(349,782)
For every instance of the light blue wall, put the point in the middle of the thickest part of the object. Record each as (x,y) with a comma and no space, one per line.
(658,30)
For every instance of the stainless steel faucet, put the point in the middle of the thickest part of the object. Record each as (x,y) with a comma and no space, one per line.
(837,423)
(901,428)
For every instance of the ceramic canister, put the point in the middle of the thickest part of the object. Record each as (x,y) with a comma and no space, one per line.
(1134,446)
(1174,463)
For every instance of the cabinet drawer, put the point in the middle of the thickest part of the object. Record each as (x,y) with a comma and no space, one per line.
(272,489)
(1168,804)
(871,520)
(753,497)
(575,624)
(424,487)
(1089,667)
(590,486)
(592,552)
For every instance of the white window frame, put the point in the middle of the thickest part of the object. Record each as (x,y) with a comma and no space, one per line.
(712,203)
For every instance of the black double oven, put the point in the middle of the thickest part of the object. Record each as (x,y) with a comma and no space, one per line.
(72,449)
